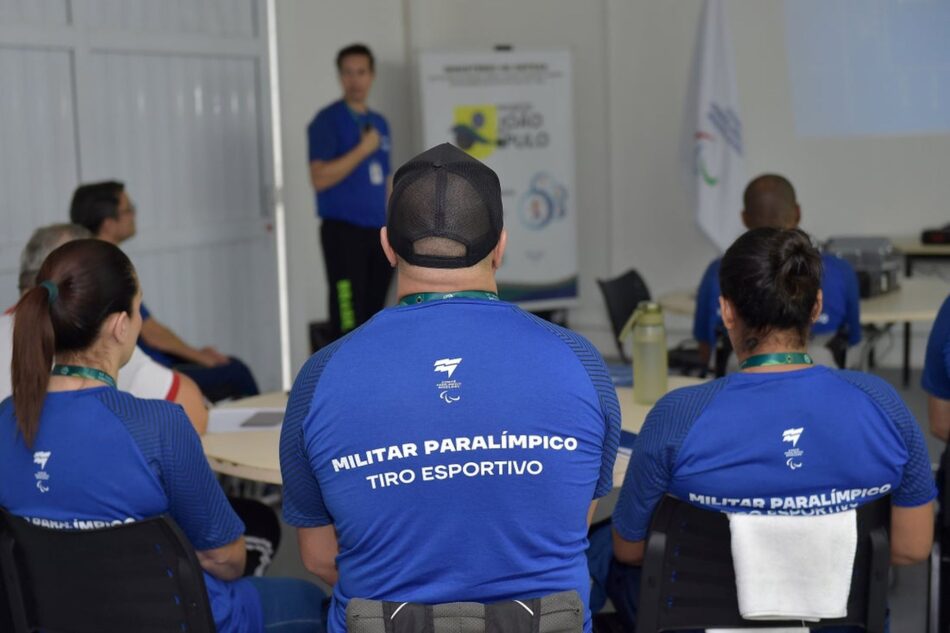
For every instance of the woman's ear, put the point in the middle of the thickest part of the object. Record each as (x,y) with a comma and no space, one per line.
(727,310)
(119,325)
(819,306)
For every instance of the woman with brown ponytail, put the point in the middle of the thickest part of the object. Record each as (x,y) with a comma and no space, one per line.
(80,454)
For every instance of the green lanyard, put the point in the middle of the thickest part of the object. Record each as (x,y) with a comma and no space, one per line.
(425,297)
(360,118)
(783,358)
(84,372)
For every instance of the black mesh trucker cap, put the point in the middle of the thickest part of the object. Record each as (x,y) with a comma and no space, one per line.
(444,193)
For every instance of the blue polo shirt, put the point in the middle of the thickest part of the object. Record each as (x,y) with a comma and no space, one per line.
(839,287)
(154,353)
(456,446)
(772,443)
(936,378)
(360,198)
(103,457)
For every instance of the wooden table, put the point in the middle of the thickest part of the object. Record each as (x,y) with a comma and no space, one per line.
(913,250)
(916,301)
(255,455)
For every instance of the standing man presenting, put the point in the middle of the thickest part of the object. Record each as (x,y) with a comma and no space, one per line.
(451,448)
(349,169)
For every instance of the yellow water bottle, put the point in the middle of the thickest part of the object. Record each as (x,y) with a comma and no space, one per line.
(649,352)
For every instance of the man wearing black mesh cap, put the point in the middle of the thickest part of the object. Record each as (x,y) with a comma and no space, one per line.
(450,448)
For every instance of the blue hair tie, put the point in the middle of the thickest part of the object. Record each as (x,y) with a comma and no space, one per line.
(52,289)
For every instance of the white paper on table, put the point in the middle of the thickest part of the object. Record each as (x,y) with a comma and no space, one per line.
(234,420)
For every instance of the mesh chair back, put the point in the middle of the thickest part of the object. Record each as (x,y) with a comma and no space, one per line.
(622,294)
(689,581)
(141,576)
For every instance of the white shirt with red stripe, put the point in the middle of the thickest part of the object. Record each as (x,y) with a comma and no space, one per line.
(141,376)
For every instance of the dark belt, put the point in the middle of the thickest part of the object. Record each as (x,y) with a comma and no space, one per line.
(556,613)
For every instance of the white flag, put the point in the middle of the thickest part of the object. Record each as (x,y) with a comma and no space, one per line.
(714,130)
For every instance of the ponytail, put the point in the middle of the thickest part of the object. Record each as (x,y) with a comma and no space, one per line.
(78,286)
(33,349)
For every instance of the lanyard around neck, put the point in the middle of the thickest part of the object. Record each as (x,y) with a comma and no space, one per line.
(781,358)
(425,297)
(78,371)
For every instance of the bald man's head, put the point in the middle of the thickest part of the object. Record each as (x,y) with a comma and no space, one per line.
(769,202)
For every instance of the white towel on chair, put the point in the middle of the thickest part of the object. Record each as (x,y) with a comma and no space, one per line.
(793,568)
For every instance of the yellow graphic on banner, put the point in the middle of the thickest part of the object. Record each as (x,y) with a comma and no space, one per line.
(475,128)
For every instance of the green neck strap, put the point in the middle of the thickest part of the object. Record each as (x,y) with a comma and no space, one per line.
(425,297)
(781,358)
(79,371)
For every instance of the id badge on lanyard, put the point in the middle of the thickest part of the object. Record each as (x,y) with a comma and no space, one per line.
(375,173)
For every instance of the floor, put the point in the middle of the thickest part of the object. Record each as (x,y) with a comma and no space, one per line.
(908,595)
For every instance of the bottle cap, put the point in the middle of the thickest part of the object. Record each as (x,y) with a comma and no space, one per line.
(647,313)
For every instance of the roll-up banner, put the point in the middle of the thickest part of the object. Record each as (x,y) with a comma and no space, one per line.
(513,110)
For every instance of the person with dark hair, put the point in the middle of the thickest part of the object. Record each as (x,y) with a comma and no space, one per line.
(769,201)
(349,147)
(80,454)
(141,376)
(936,376)
(935,380)
(106,209)
(451,448)
(727,445)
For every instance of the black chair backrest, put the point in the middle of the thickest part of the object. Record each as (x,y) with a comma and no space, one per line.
(689,582)
(622,294)
(141,576)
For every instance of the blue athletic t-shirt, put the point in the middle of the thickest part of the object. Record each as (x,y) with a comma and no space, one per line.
(813,441)
(157,355)
(936,378)
(839,287)
(103,457)
(456,446)
(360,198)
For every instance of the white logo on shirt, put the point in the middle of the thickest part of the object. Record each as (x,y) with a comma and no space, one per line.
(448,388)
(42,477)
(41,457)
(792,435)
(449,399)
(447,365)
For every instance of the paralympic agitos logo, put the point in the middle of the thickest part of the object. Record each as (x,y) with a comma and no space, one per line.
(709,151)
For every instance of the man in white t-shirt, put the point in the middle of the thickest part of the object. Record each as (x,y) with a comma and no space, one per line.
(141,376)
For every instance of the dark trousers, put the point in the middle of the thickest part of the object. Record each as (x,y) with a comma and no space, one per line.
(261,533)
(232,380)
(358,273)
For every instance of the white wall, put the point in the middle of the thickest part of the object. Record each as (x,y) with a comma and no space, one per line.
(309,34)
(171,99)
(632,64)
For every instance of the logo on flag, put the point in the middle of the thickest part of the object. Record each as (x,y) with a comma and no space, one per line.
(713,138)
